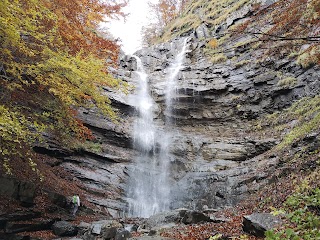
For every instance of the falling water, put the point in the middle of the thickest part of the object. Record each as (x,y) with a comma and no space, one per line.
(171,83)
(142,193)
(165,157)
(144,130)
(149,188)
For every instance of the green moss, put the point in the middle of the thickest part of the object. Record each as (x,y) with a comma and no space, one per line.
(180,26)
(215,53)
(299,120)
(287,82)
(198,11)
(90,146)
(223,39)
(300,131)
(309,57)
(218,58)
(244,43)
(293,54)
(242,63)
(232,7)
(307,114)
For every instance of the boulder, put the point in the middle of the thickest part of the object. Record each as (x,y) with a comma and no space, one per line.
(122,234)
(96,228)
(108,232)
(165,218)
(57,199)
(258,223)
(63,228)
(171,218)
(9,187)
(134,228)
(83,227)
(88,236)
(22,191)
(107,229)
(191,217)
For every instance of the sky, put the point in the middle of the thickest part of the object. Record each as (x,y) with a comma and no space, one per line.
(129,31)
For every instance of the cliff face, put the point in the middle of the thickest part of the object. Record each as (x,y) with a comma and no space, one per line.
(218,156)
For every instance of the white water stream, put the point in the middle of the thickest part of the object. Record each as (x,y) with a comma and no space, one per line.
(150,186)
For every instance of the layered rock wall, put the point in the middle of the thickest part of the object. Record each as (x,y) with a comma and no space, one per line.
(217,156)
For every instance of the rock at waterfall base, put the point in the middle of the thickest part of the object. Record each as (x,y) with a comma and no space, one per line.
(63,228)
(258,223)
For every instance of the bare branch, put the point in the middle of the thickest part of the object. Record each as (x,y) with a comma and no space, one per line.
(282,38)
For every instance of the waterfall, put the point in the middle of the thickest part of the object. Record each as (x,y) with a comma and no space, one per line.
(144,129)
(171,82)
(142,193)
(149,185)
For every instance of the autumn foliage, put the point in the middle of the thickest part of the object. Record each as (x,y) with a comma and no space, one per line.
(287,28)
(78,25)
(165,11)
(54,58)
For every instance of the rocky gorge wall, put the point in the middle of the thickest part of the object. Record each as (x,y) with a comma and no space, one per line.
(218,157)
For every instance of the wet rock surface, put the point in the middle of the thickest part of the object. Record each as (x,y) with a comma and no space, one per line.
(217,157)
(170,218)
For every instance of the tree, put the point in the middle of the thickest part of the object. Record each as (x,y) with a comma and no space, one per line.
(53,60)
(78,25)
(150,33)
(165,11)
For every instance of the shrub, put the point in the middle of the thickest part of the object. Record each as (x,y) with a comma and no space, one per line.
(303,207)
(16,137)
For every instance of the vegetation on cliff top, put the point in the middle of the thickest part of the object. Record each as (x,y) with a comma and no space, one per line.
(284,28)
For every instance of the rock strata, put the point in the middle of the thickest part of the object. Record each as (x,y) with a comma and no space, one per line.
(217,157)
(12,227)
